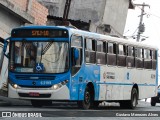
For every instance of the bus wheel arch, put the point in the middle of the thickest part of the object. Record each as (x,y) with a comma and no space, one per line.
(134,97)
(88,99)
(136,87)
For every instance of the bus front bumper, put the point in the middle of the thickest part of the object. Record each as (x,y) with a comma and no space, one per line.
(39,93)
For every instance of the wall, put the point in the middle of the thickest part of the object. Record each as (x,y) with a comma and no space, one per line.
(86,10)
(100,12)
(15,13)
(34,8)
(7,22)
(116,14)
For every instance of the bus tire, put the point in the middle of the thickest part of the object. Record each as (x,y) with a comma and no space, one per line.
(36,103)
(153,103)
(130,104)
(134,99)
(87,102)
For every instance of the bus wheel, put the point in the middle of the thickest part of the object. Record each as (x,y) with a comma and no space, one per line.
(153,103)
(86,103)
(131,104)
(134,99)
(36,103)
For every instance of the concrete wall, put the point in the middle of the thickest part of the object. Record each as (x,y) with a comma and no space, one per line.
(86,10)
(55,7)
(7,22)
(100,12)
(15,13)
(116,14)
(34,8)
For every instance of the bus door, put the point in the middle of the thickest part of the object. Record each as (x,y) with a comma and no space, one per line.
(3,72)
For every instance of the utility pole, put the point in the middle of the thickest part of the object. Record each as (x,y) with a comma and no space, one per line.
(141,27)
(66,12)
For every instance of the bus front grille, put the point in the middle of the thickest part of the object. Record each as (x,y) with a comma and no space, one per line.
(26,77)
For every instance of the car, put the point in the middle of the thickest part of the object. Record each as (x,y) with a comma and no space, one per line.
(156,99)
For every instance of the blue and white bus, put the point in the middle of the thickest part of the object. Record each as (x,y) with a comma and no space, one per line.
(51,63)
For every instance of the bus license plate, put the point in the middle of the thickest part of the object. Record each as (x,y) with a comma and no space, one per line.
(36,94)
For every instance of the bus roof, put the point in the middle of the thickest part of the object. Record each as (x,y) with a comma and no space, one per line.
(93,35)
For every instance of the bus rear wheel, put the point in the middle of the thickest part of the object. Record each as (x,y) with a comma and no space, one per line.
(153,103)
(131,104)
(88,99)
(134,98)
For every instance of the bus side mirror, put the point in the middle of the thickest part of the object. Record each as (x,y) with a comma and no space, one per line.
(5,47)
(75,54)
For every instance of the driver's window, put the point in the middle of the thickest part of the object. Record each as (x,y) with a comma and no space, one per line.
(76,42)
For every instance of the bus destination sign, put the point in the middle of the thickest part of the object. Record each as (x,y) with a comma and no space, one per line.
(30,33)
(40,33)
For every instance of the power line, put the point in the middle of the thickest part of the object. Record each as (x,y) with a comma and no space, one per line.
(141,25)
(149,13)
(154,15)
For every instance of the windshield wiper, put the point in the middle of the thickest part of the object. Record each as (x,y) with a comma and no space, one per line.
(46,48)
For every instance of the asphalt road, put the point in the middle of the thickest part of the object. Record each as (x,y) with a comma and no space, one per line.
(61,111)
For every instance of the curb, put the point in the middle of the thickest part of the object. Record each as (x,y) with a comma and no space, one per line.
(3,103)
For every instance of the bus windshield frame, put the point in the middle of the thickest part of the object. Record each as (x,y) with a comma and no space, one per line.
(39,57)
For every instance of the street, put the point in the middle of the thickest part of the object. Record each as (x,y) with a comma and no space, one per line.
(66,110)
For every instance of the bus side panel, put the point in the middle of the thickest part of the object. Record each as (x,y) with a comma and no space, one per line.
(87,74)
(147,88)
(111,87)
(116,83)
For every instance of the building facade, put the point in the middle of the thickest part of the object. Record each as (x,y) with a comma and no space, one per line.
(15,13)
(103,16)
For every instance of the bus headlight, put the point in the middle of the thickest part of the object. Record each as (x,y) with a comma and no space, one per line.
(56,86)
(15,86)
(59,85)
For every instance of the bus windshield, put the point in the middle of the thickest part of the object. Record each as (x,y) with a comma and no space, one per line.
(39,57)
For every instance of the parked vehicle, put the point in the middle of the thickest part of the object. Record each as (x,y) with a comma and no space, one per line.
(156,99)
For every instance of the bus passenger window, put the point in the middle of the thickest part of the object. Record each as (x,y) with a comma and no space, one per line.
(100,46)
(154,59)
(139,57)
(110,47)
(111,55)
(147,59)
(100,54)
(121,57)
(130,57)
(90,54)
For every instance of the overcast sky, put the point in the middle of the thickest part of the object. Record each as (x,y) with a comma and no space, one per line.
(151,21)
